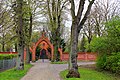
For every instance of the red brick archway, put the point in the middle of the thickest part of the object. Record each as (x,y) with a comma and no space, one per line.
(45,39)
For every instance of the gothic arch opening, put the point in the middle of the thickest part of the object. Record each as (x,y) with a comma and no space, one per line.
(42,39)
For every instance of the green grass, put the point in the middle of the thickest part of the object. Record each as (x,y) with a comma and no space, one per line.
(59,62)
(13,74)
(88,74)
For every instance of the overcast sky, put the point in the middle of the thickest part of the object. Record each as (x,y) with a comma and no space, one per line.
(68,23)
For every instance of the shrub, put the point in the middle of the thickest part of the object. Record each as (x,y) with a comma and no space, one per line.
(101,61)
(99,44)
(110,63)
(7,56)
(113,63)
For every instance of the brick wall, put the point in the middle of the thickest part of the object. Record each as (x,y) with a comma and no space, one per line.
(81,56)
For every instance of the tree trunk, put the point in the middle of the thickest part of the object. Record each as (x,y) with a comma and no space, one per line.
(3,47)
(16,47)
(20,60)
(30,29)
(73,72)
(29,38)
(20,33)
(89,41)
(3,42)
(27,55)
(55,52)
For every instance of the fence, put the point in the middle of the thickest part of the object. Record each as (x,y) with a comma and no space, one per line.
(7,64)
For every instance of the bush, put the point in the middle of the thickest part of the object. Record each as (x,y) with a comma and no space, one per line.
(113,63)
(99,44)
(101,61)
(110,63)
(7,56)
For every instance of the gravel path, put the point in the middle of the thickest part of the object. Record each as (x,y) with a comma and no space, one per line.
(47,71)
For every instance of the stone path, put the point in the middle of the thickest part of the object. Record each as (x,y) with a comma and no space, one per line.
(47,71)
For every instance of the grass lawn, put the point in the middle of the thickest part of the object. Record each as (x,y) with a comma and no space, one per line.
(59,62)
(13,74)
(88,74)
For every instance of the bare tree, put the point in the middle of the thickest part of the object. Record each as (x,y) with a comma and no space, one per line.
(77,25)
(103,11)
(89,30)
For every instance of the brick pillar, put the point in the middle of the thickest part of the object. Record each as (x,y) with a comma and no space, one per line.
(60,51)
(33,56)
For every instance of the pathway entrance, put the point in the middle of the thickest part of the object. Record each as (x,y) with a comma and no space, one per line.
(47,71)
(44,71)
(43,54)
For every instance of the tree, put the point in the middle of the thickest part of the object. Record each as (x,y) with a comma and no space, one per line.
(55,10)
(83,42)
(110,42)
(103,11)
(89,31)
(20,34)
(28,13)
(108,46)
(113,34)
(77,25)
(6,25)
(28,21)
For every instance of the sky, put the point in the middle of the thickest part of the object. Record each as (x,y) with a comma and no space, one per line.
(69,23)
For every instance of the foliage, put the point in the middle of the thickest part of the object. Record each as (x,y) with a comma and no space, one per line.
(101,61)
(83,44)
(113,63)
(6,25)
(13,74)
(7,56)
(35,36)
(111,41)
(37,52)
(110,62)
(87,74)
(87,47)
(98,44)
(113,37)
(109,44)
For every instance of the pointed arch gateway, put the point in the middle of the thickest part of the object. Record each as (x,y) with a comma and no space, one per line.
(45,39)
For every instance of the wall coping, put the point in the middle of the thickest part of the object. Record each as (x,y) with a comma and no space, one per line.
(82,53)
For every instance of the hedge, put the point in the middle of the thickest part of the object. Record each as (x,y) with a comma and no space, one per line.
(113,63)
(7,56)
(110,62)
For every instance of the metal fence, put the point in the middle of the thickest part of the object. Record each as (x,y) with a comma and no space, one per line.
(7,64)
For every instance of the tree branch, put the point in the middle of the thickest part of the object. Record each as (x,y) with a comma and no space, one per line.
(72,9)
(80,10)
(85,16)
